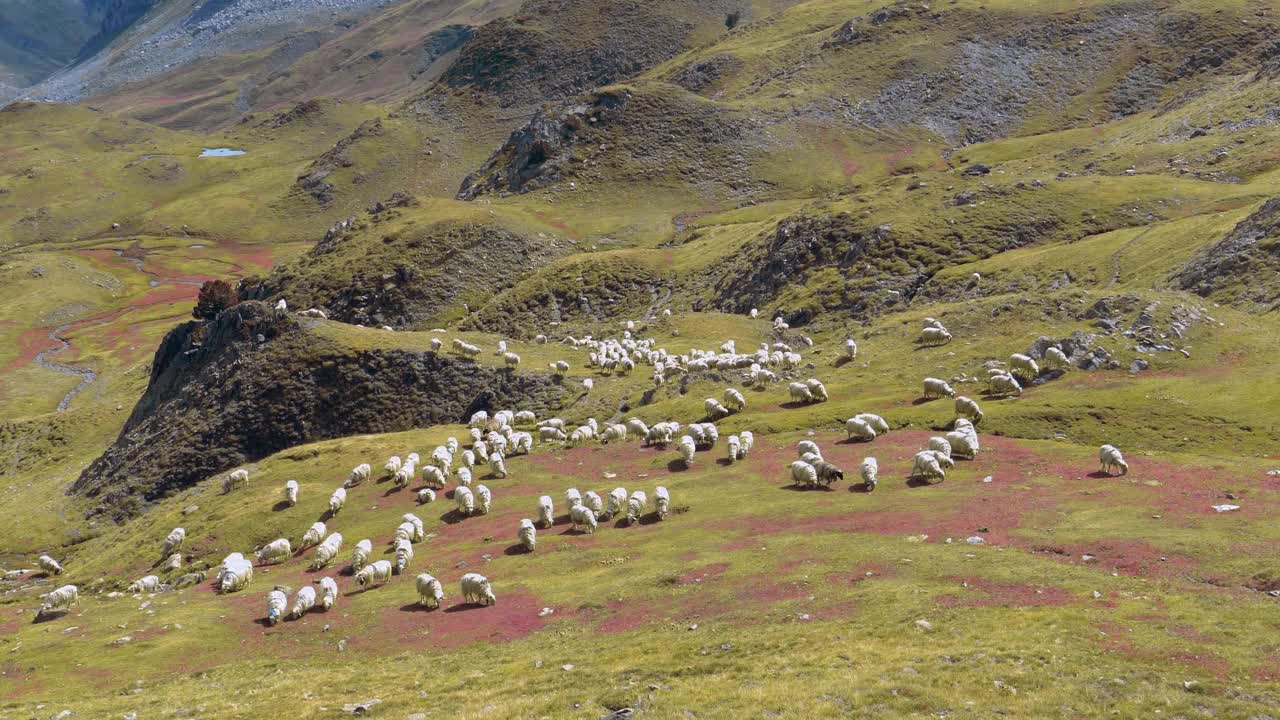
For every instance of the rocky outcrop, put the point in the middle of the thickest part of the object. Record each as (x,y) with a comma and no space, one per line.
(1244,267)
(249,383)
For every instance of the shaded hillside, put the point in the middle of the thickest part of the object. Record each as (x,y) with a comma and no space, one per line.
(249,384)
(38,37)
(1244,268)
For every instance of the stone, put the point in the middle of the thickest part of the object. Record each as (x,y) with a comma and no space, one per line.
(361,708)
(924,625)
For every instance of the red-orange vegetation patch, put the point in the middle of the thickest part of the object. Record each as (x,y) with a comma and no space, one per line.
(832,143)
(702,574)
(1128,557)
(984,593)
(1268,670)
(624,616)
(517,615)
(22,682)
(30,344)
(589,464)
(862,573)
(893,163)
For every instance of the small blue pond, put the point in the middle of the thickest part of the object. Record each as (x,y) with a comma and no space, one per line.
(221,152)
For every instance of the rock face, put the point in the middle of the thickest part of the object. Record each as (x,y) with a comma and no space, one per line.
(1244,267)
(249,383)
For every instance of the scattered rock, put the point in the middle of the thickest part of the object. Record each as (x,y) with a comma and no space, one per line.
(122,640)
(1138,365)
(977,169)
(1225,508)
(566,667)
(545,612)
(976,540)
(924,625)
(361,708)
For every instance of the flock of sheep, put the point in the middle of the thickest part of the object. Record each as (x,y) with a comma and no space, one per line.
(494,438)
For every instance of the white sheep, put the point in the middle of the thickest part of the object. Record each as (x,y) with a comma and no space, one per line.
(855,428)
(327,551)
(540,339)
(426,495)
(808,446)
(236,574)
(404,553)
(687,450)
(393,464)
(527,535)
(337,500)
(593,500)
(291,492)
(463,476)
(358,474)
(734,400)
(525,418)
(433,477)
(497,466)
(817,389)
(173,540)
(145,584)
(735,447)
(479,418)
(613,432)
(360,557)
(551,434)
(573,497)
(430,591)
(464,499)
(933,387)
(436,344)
(302,602)
(926,466)
(636,505)
(502,347)
(404,531)
(546,511)
(328,592)
(968,408)
(748,441)
(587,384)
(282,308)
(277,602)
(616,502)
(851,349)
(714,410)
(1023,366)
(661,502)
(235,479)
(379,571)
(1003,384)
(476,589)
(804,474)
(963,444)
(583,518)
(934,336)
(61,599)
(876,422)
(313,536)
(1055,359)
(419,531)
(869,472)
(49,565)
(276,550)
(484,500)
(581,435)
(1110,457)
(636,426)
(939,445)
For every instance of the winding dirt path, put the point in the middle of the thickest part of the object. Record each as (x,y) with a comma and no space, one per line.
(42,359)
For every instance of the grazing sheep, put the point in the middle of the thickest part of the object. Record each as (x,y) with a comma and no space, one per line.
(497,466)
(146,584)
(426,495)
(173,541)
(662,502)
(926,466)
(525,418)
(430,591)
(484,499)
(581,435)
(302,602)
(235,574)
(379,571)
(613,432)
(734,400)
(828,473)
(327,551)
(1005,385)
(963,445)
(932,323)
(1023,366)
(800,392)
(1109,456)
(687,450)
(337,500)
(464,499)
(808,446)
(933,387)
(404,553)
(851,349)
(869,472)
(1055,359)
(291,492)
(476,589)
(636,505)
(735,447)
(587,384)
(551,434)
(939,445)
(859,429)
(278,549)
(404,531)
(755,313)
(967,408)
(714,409)
(817,389)
(174,562)
(312,536)
(546,511)
(277,602)
(282,308)
(235,479)
(573,497)
(61,599)
(540,339)
(393,464)
(804,474)
(593,500)
(510,359)
(433,477)
(527,535)
(49,565)
(360,558)
(359,474)
(876,422)
(617,501)
(748,440)
(583,519)
(436,344)
(328,592)
(934,336)
(419,531)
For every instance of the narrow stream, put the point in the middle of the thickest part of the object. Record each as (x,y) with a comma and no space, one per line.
(86,376)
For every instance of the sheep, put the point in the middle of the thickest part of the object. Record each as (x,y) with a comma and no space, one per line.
(735,447)
(734,400)
(433,477)
(587,384)
(404,553)
(593,500)
(869,472)
(560,367)
(939,445)
(968,408)
(173,541)
(748,440)
(661,433)
(540,339)
(278,549)
(337,500)
(1023,366)
(436,344)
(617,500)
(442,458)
(583,518)
(360,557)
(476,589)
(282,308)
(327,551)
(662,502)
(61,599)
(636,426)
(235,575)
(49,565)
(573,497)
(613,432)
(926,466)
(687,450)
(828,473)
(527,535)
(755,313)
(426,495)
(497,466)
(808,446)
(859,429)
(525,418)
(146,584)
(393,464)
(379,571)
(291,493)
(430,591)
(817,389)
(359,474)
(484,500)
(851,349)
(934,336)
(312,536)
(328,592)
(581,435)
(803,474)
(876,422)
(277,602)
(502,347)
(404,531)
(236,479)
(546,511)
(465,500)
(419,531)
(714,410)
(1055,359)
(963,445)
(932,323)
(1110,457)
(800,392)
(302,602)
(933,387)
(1005,385)
(636,505)
(468,458)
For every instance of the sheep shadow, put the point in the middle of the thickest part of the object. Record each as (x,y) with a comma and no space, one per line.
(517,549)
(794,404)
(623,522)
(723,462)
(281,506)
(263,622)
(49,616)
(447,494)
(1100,474)
(574,531)
(676,466)
(860,488)
(453,517)
(347,571)
(843,360)
(383,479)
(315,570)
(649,519)
(394,489)
(415,607)
(855,441)
(922,400)
(326,516)
(464,607)
(916,482)
(796,487)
